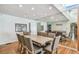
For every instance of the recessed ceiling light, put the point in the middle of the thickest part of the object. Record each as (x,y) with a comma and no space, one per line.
(50,8)
(33,8)
(20,5)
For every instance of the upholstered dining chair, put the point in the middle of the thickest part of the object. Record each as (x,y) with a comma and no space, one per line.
(19,43)
(51,35)
(26,33)
(32,49)
(52,47)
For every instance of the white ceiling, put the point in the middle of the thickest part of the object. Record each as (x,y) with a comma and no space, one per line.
(43,12)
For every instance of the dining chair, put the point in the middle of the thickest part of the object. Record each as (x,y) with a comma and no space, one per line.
(51,35)
(26,33)
(52,47)
(32,49)
(42,34)
(20,43)
(20,33)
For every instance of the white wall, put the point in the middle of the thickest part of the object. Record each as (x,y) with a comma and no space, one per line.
(33,28)
(7,27)
(64,27)
(58,27)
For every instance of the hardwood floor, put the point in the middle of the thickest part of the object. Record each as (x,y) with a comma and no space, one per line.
(9,48)
(64,48)
(68,47)
(69,43)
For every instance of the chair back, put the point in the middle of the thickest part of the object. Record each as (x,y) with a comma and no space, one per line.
(28,43)
(52,35)
(26,33)
(20,33)
(56,42)
(20,38)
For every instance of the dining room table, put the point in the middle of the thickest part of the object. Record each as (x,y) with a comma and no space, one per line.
(39,40)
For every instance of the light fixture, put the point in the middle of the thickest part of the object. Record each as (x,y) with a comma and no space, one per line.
(20,5)
(50,8)
(33,8)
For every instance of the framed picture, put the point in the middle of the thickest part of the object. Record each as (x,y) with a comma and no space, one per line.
(20,27)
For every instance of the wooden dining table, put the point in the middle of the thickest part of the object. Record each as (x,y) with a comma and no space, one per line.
(40,40)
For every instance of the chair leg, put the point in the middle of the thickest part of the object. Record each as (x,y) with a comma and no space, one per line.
(19,48)
(24,51)
(55,51)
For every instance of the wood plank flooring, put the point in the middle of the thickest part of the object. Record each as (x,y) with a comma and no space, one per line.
(12,48)
(70,47)
(9,48)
